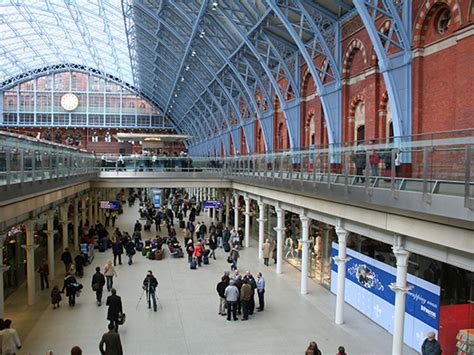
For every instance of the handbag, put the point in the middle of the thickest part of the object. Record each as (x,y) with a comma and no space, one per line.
(121,318)
(229,260)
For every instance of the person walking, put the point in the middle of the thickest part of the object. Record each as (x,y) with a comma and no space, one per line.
(10,339)
(111,341)
(44,272)
(260,292)
(190,250)
(117,249)
(130,249)
(231,294)
(430,345)
(66,258)
(312,349)
(212,246)
(70,285)
(341,351)
(98,282)
(150,283)
(55,297)
(220,288)
(114,302)
(266,251)
(198,252)
(234,256)
(109,273)
(245,294)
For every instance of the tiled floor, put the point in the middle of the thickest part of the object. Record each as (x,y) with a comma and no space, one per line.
(187,321)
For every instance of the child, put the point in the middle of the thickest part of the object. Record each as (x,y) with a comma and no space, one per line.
(55,296)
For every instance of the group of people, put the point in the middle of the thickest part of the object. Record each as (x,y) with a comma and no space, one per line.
(237,294)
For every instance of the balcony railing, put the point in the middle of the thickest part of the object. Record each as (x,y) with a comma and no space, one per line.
(26,159)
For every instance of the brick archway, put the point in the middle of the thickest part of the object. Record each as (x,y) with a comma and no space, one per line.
(420,25)
(351,49)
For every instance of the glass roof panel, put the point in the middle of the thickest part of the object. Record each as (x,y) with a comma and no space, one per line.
(36,34)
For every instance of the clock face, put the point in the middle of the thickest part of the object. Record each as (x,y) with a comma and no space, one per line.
(69,102)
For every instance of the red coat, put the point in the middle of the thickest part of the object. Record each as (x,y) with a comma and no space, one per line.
(198,250)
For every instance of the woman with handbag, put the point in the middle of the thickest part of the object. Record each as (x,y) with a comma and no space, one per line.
(109,273)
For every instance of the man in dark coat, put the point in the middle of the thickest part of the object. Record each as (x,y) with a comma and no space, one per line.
(149,285)
(66,258)
(111,340)
(115,308)
(117,249)
(98,282)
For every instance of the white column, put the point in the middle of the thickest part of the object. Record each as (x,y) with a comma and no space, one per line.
(341,260)
(221,210)
(236,210)
(261,226)
(400,288)
(50,216)
(30,261)
(76,224)
(247,221)
(279,229)
(83,211)
(227,208)
(95,210)
(4,268)
(89,209)
(304,255)
(64,221)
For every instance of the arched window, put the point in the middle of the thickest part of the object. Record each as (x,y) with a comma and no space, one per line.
(311,129)
(389,123)
(359,122)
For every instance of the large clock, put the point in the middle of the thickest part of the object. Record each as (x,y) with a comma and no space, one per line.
(69,102)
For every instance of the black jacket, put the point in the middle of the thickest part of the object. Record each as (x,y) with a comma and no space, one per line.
(115,307)
(221,286)
(150,283)
(99,279)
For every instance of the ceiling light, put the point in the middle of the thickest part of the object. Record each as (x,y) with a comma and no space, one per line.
(214,5)
(193,53)
(175,95)
(187,68)
(201,35)
(182,79)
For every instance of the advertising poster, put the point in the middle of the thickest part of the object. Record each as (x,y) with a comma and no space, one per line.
(368,290)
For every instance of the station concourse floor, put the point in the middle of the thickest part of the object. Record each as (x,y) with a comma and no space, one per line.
(187,320)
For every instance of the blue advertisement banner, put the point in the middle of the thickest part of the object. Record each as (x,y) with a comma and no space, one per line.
(212,204)
(369,291)
(156,200)
(110,205)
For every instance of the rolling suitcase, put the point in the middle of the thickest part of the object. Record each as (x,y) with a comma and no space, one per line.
(193,264)
(205,259)
(182,224)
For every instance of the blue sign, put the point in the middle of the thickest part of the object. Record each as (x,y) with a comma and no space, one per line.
(368,290)
(156,200)
(212,204)
(110,205)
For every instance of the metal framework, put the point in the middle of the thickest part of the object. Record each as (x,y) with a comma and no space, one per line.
(218,70)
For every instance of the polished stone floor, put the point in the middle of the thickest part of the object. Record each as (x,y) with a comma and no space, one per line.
(187,321)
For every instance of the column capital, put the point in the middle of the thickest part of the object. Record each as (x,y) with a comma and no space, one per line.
(260,203)
(30,247)
(342,234)
(304,220)
(261,220)
(398,289)
(340,260)
(50,213)
(278,229)
(246,198)
(401,254)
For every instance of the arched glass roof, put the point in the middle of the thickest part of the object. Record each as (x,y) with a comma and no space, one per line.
(213,67)
(42,33)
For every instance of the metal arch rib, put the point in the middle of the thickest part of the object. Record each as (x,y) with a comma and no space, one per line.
(328,114)
(202,11)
